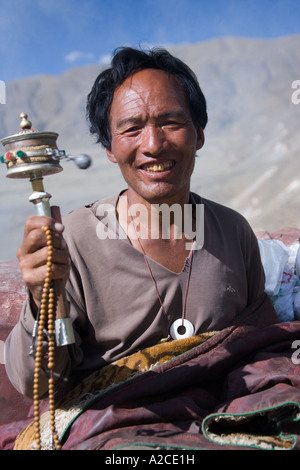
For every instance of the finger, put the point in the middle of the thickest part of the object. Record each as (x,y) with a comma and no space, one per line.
(37,239)
(39,258)
(34,278)
(34,267)
(37,221)
(55,212)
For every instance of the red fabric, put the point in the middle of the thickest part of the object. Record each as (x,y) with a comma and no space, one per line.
(13,405)
(287,235)
(246,368)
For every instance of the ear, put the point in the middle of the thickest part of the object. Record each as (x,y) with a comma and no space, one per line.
(200,138)
(111,155)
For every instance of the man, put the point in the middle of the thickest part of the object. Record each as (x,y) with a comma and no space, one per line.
(136,286)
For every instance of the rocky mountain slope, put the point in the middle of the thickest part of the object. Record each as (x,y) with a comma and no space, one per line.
(250,160)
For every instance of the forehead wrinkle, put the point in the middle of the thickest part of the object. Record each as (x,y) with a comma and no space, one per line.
(130,101)
(136,100)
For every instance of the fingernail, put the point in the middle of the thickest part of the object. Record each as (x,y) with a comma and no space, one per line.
(58,227)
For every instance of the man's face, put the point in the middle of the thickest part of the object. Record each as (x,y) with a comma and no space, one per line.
(154,140)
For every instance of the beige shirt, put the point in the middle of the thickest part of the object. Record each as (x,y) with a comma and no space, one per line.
(113,302)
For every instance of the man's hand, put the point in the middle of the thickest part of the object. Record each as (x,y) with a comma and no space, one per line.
(32,254)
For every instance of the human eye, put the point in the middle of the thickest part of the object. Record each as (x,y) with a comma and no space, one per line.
(132,130)
(172,124)
(173,121)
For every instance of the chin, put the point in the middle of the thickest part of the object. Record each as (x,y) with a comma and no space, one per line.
(163,194)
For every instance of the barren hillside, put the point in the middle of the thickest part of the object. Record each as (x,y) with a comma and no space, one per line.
(250,160)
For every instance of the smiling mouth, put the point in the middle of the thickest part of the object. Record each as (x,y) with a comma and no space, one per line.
(158,167)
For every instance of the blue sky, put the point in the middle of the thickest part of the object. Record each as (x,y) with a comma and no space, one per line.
(50,36)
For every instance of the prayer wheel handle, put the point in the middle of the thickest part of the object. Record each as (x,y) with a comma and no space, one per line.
(34,154)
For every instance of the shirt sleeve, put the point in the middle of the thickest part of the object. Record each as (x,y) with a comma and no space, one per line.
(254,267)
(19,360)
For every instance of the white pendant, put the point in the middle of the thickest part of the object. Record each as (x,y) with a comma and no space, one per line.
(182,329)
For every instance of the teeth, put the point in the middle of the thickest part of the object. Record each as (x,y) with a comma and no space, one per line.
(159,167)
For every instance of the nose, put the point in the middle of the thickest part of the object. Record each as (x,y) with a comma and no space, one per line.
(152,140)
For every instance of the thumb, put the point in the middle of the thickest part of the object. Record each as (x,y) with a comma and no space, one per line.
(55,211)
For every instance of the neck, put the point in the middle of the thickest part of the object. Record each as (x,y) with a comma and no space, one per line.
(152,220)
(182,197)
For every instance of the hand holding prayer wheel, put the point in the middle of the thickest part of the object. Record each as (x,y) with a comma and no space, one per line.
(33,154)
(32,254)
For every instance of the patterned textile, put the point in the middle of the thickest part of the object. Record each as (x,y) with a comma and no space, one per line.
(237,388)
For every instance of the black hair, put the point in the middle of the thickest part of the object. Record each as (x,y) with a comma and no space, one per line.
(125,62)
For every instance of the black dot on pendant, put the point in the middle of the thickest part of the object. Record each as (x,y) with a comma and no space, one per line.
(181,330)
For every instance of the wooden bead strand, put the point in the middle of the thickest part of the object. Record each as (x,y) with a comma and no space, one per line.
(46,314)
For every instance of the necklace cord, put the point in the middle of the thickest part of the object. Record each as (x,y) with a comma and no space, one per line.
(154,281)
(152,277)
(187,286)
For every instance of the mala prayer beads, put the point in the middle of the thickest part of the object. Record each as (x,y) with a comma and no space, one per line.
(46,315)
(34,154)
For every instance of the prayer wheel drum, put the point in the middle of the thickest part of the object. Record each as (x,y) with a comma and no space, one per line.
(30,153)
